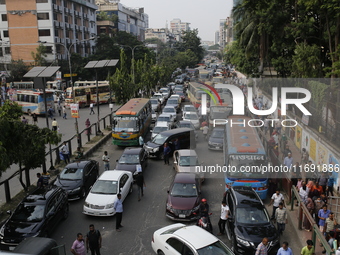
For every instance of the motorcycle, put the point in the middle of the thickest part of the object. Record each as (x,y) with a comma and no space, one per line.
(205,223)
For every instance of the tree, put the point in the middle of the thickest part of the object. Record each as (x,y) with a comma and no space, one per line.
(193,42)
(39,56)
(17,70)
(306,61)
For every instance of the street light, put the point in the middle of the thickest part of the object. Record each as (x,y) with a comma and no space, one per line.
(68,50)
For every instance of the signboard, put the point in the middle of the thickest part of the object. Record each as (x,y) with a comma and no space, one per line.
(58,75)
(68,75)
(74,110)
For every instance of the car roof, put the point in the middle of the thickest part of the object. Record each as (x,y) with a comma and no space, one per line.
(164,115)
(245,195)
(176,130)
(39,196)
(187,153)
(112,174)
(169,106)
(77,164)
(185,177)
(161,124)
(132,150)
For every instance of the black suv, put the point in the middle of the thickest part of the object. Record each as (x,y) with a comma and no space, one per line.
(37,215)
(249,222)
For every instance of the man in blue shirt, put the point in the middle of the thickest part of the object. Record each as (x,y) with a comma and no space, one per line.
(118,205)
(330,184)
(166,152)
(284,250)
(323,215)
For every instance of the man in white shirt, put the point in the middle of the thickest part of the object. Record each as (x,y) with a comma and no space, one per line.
(223,218)
(276,199)
(65,152)
(106,161)
(91,109)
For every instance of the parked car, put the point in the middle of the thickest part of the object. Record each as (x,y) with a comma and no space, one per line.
(131,158)
(38,214)
(186,124)
(186,136)
(215,141)
(78,177)
(187,161)
(160,127)
(193,118)
(249,222)
(181,239)
(155,104)
(166,118)
(36,246)
(184,197)
(101,198)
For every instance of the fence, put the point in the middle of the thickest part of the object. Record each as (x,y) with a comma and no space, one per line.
(53,155)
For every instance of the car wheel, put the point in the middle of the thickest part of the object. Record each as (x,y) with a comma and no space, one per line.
(65,212)
(160,253)
(130,191)
(82,192)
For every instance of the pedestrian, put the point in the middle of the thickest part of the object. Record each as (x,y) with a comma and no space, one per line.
(141,141)
(310,207)
(338,251)
(276,199)
(330,237)
(54,125)
(40,182)
(223,218)
(304,156)
(318,204)
(106,161)
(285,250)
(288,161)
(303,192)
(278,127)
(276,137)
(140,184)
(286,151)
(59,108)
(65,152)
(64,113)
(93,241)
(330,184)
(323,181)
(262,247)
(50,112)
(34,119)
(323,215)
(78,246)
(330,224)
(166,153)
(88,124)
(308,249)
(118,206)
(24,120)
(80,153)
(177,144)
(281,218)
(91,109)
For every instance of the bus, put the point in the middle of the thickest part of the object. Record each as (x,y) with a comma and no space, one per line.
(131,121)
(195,93)
(244,156)
(85,93)
(32,100)
(22,85)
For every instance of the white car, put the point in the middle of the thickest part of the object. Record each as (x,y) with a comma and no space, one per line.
(165,92)
(160,97)
(160,127)
(181,239)
(193,118)
(188,108)
(101,198)
(169,109)
(166,117)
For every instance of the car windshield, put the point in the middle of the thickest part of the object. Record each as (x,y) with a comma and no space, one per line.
(191,116)
(164,118)
(71,174)
(189,108)
(28,213)
(158,95)
(153,111)
(184,190)
(129,159)
(127,124)
(169,109)
(164,90)
(180,93)
(220,115)
(186,125)
(106,187)
(159,129)
(188,161)
(159,139)
(172,101)
(217,248)
(154,101)
(217,134)
(251,215)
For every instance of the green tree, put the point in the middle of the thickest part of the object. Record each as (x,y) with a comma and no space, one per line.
(40,55)
(193,42)
(306,62)
(17,70)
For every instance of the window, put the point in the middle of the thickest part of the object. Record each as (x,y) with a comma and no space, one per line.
(44,32)
(2,1)
(7,50)
(123,180)
(43,16)
(49,49)
(4,17)
(41,1)
(6,33)
(176,244)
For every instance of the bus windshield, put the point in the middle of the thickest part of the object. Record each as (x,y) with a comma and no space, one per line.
(247,166)
(125,124)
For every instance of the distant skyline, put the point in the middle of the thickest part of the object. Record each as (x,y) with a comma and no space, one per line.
(203,15)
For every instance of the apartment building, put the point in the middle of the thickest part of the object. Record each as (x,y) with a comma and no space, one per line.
(162,34)
(60,23)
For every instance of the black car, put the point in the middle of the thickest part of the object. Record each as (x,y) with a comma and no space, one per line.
(186,124)
(215,141)
(249,222)
(131,158)
(37,215)
(78,177)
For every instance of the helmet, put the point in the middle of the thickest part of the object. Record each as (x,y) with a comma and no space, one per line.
(204,200)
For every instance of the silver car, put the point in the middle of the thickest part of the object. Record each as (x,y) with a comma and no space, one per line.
(193,118)
(187,161)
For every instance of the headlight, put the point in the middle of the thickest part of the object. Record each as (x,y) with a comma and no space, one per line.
(169,207)
(86,204)
(155,149)
(195,208)
(109,206)
(243,242)
(210,143)
(75,190)
(2,232)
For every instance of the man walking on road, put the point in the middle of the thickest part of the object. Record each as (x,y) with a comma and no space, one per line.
(106,161)
(262,247)
(276,199)
(285,250)
(54,125)
(91,109)
(140,184)
(281,218)
(59,109)
(166,152)
(64,112)
(118,205)
(288,161)
(93,241)
(308,249)
(78,246)
(65,152)
(223,218)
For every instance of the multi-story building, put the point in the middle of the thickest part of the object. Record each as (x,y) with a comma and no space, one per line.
(133,21)
(222,33)
(229,30)
(162,34)
(177,26)
(59,23)
(217,37)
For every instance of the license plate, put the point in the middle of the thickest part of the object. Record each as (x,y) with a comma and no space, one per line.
(218,148)
(11,248)
(182,216)
(247,184)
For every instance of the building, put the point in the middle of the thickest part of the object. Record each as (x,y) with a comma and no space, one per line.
(222,33)
(217,37)
(229,30)
(130,20)
(58,22)
(177,26)
(162,34)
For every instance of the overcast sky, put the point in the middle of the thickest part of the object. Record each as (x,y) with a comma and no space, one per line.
(202,14)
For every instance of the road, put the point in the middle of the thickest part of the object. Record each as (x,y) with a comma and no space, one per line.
(67,129)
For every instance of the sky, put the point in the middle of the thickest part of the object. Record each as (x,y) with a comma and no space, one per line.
(202,14)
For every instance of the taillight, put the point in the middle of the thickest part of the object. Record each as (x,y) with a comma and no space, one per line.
(262,188)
